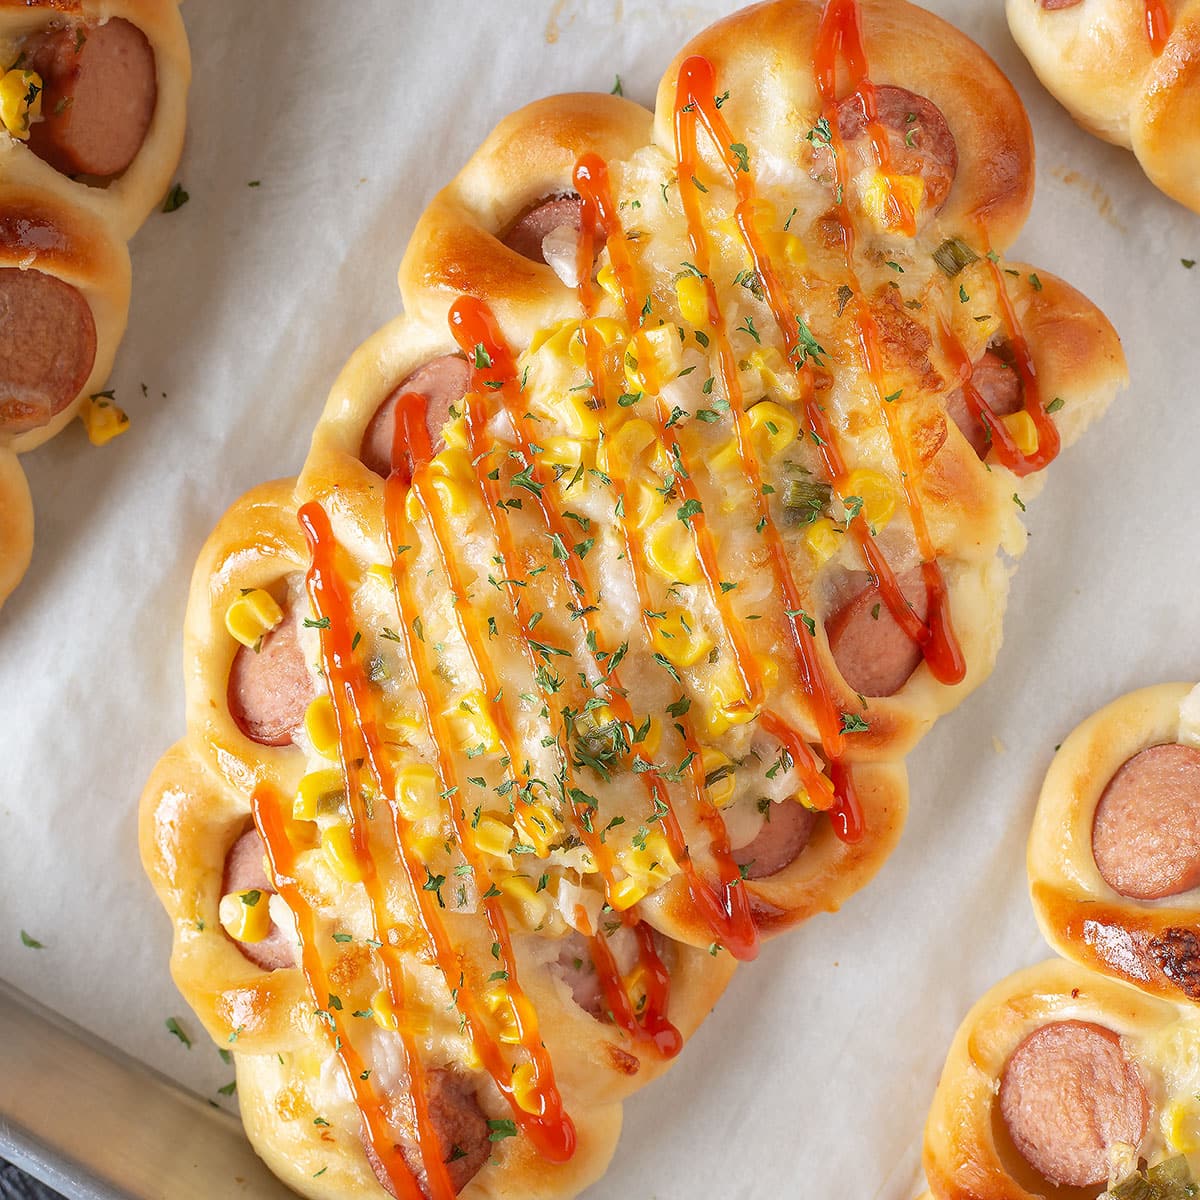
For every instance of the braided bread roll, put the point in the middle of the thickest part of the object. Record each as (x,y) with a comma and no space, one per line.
(1127,71)
(624,569)
(92,114)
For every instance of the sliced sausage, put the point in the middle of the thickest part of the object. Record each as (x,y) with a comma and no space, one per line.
(100,91)
(919,142)
(535,224)
(1068,1094)
(1000,388)
(1146,832)
(873,653)
(47,347)
(784,835)
(443,382)
(461,1128)
(245,870)
(270,690)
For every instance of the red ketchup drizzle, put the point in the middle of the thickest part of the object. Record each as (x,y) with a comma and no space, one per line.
(473,326)
(550,1130)
(1158,24)
(839,38)
(726,908)
(267,809)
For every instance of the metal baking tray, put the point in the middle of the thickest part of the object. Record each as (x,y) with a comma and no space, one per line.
(96,1125)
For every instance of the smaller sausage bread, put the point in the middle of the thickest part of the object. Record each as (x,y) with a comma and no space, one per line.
(1062,1083)
(1127,71)
(92,109)
(1114,856)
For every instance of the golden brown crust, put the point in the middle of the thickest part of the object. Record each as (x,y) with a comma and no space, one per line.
(74,231)
(968,1154)
(198,803)
(1098,61)
(1150,944)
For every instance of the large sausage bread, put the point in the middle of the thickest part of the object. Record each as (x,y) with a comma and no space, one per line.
(92,111)
(624,569)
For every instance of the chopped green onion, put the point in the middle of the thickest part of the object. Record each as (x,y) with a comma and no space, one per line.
(954,254)
(804,500)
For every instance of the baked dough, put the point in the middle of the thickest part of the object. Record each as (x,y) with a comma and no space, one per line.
(74,230)
(575,651)
(1127,71)
(1112,865)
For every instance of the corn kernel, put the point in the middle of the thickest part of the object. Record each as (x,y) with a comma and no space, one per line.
(499,1004)
(453,464)
(559,335)
(538,827)
(718,773)
(824,540)
(651,866)
(606,277)
(320,724)
(315,792)
(607,330)
(20,101)
(1024,431)
(385,1015)
(679,640)
(644,504)
(246,915)
(729,705)
(625,893)
(1181,1125)
(692,297)
(381,573)
(532,903)
(564,452)
(102,420)
(525,1089)
(876,492)
(338,847)
(417,792)
(775,429)
(648,746)
(493,836)
(623,450)
(881,189)
(652,357)
(575,414)
(793,250)
(672,554)
(470,723)
(252,615)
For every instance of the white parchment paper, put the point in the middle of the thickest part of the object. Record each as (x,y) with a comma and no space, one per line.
(814,1075)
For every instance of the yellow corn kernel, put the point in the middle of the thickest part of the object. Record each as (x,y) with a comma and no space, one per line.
(644,504)
(824,540)
(876,492)
(608,330)
(532,903)
(493,836)
(252,615)
(728,704)
(625,893)
(524,1085)
(692,297)
(1024,431)
(624,450)
(381,573)
(719,768)
(384,1013)
(877,196)
(656,353)
(20,101)
(406,724)
(558,334)
(417,792)
(453,497)
(320,724)
(566,452)
(1181,1126)
(575,414)
(102,420)
(538,827)
(499,1004)
(680,640)
(338,848)
(793,250)
(648,746)
(454,432)
(775,429)
(672,554)
(246,916)
(453,464)
(651,866)
(470,723)
(606,277)
(316,790)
